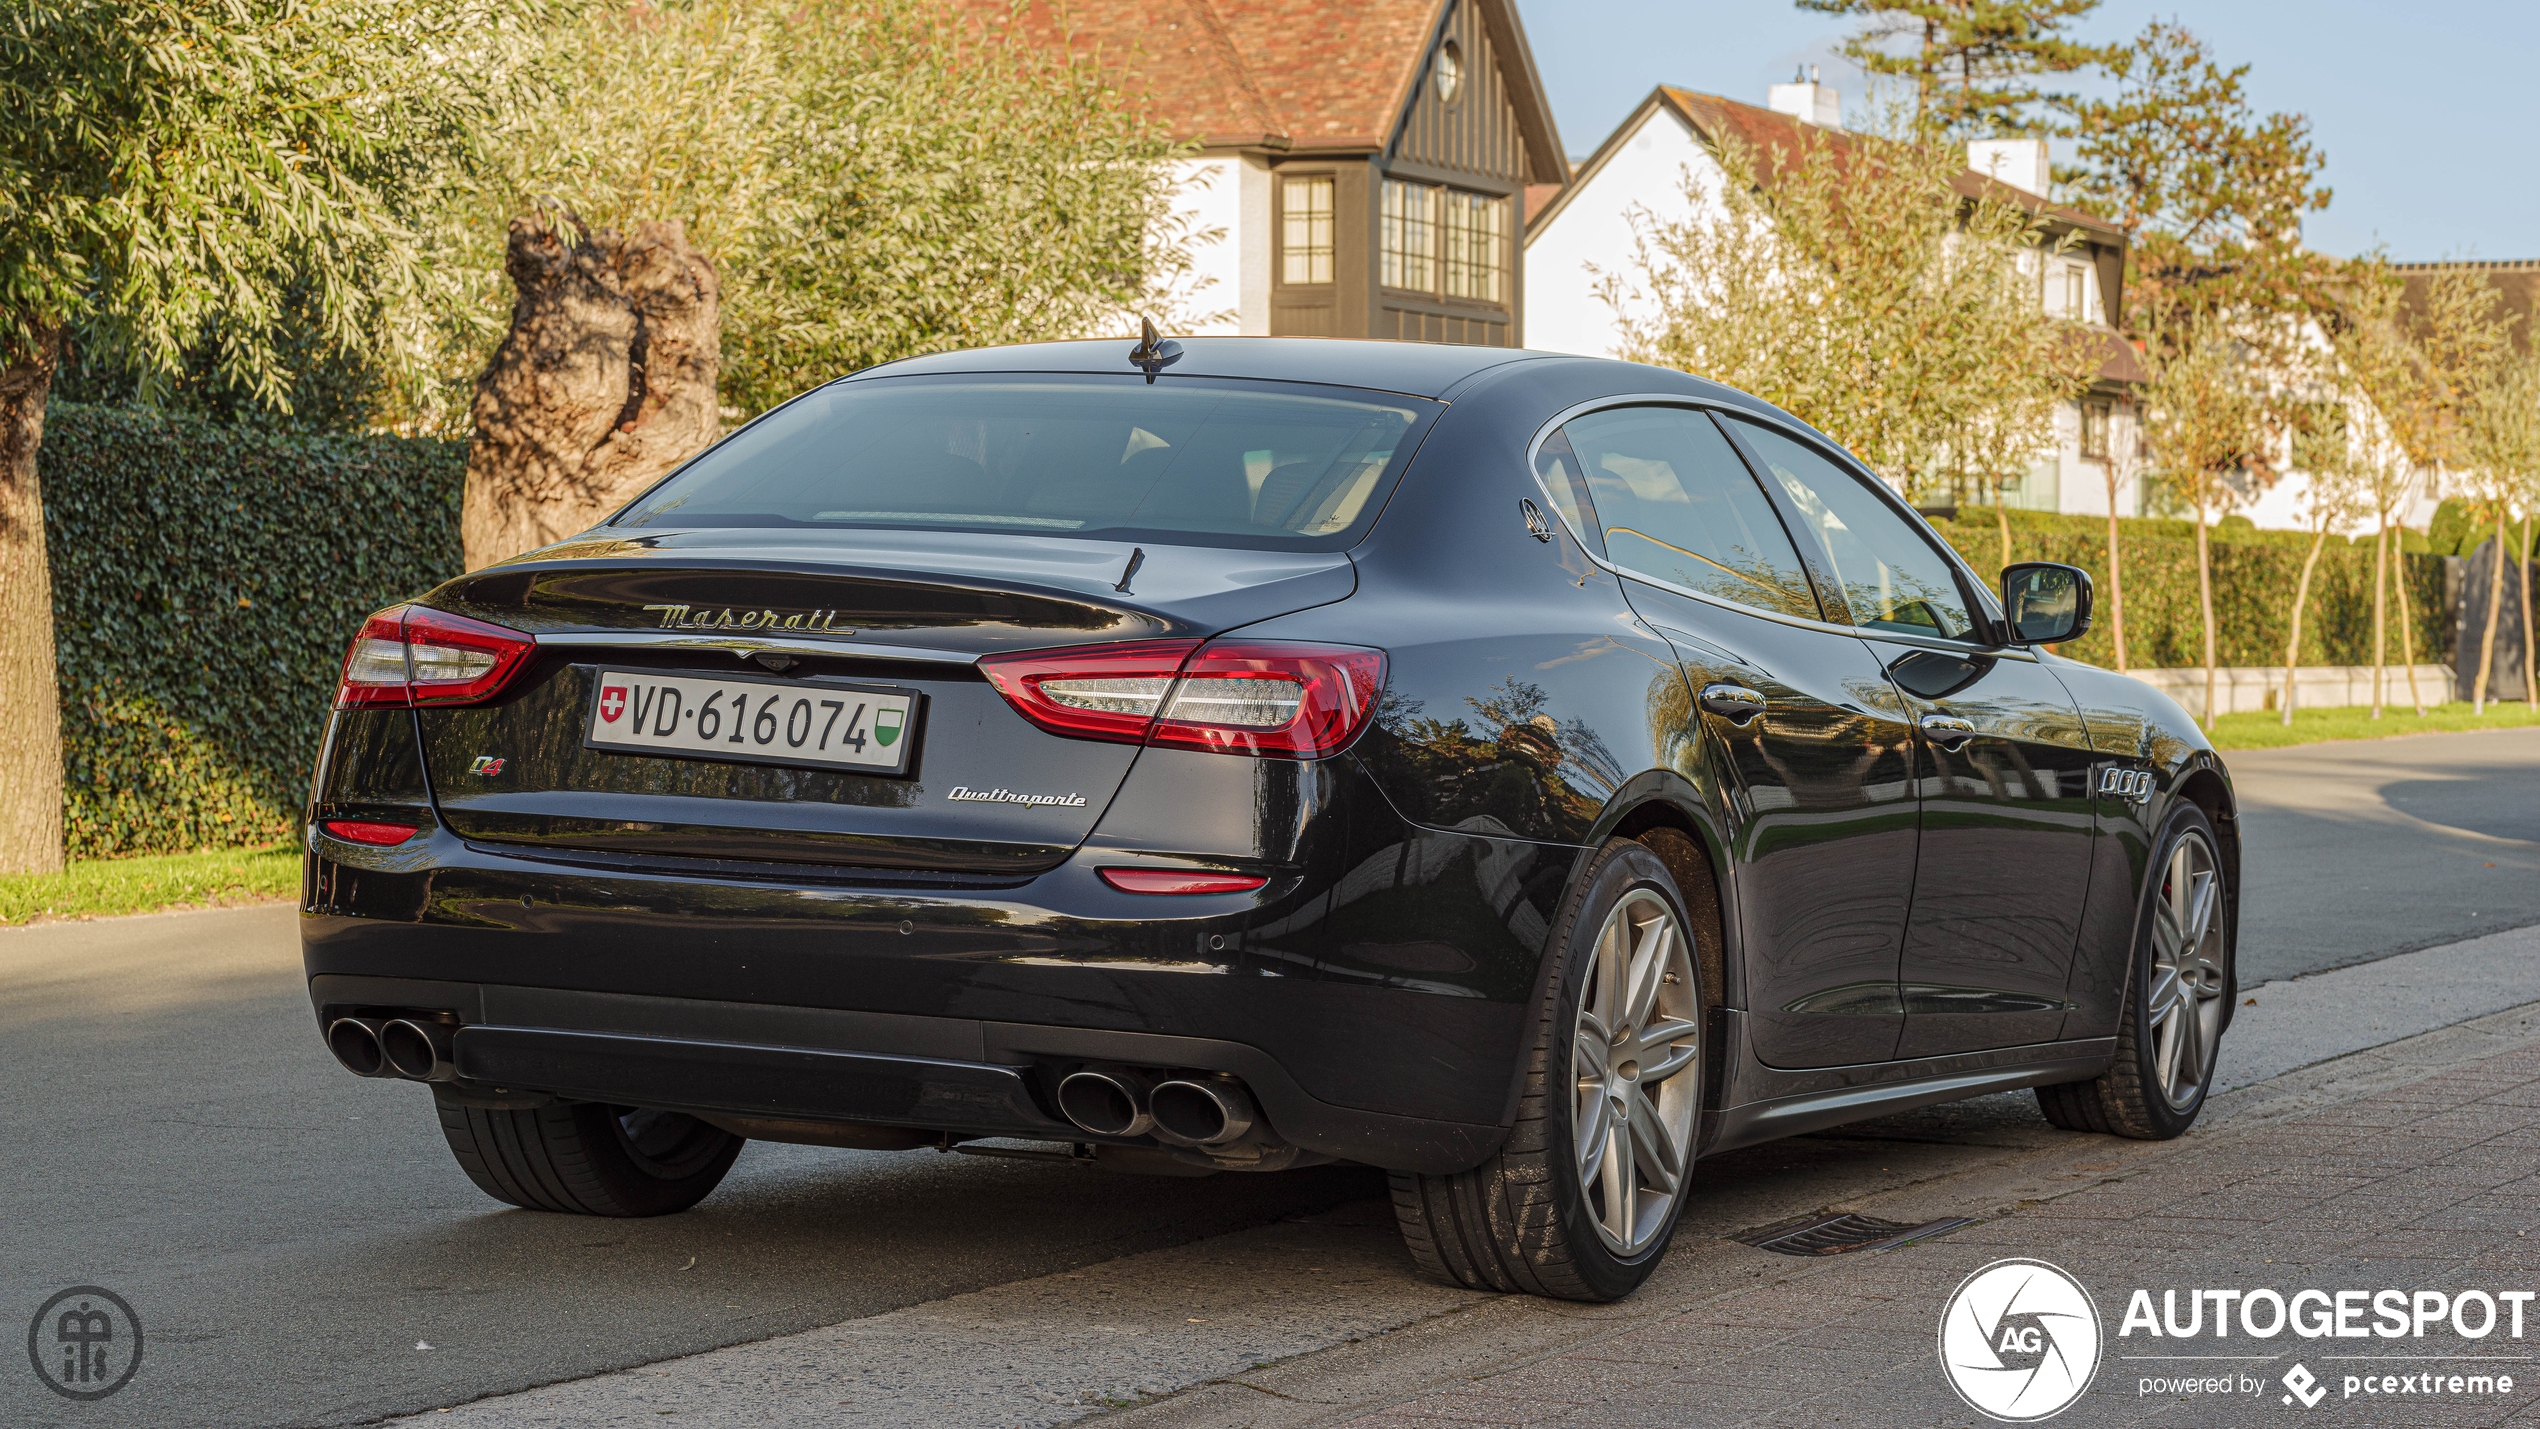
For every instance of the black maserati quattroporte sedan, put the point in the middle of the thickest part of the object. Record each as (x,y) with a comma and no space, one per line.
(1521,773)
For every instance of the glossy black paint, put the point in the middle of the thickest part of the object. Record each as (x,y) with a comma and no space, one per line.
(1897,917)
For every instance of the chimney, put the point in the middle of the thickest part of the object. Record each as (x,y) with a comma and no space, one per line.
(1816,103)
(2021,163)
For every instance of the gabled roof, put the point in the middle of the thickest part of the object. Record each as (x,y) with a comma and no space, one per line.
(1770,134)
(1308,75)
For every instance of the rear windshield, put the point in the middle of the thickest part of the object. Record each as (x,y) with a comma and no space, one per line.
(1194,461)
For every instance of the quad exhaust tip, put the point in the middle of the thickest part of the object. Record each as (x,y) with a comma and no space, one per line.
(355,1043)
(1107,1101)
(418,1049)
(1201,1113)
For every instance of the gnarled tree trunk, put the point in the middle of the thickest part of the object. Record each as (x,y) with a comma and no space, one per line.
(31,727)
(605,382)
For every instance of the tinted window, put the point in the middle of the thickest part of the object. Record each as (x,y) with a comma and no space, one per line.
(1213,462)
(1673,501)
(1890,575)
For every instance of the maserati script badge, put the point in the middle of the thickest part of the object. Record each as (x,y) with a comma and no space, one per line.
(687,617)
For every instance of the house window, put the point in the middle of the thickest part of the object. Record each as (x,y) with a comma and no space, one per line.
(2076,292)
(2094,430)
(1446,241)
(1472,245)
(1411,236)
(1305,238)
(1450,73)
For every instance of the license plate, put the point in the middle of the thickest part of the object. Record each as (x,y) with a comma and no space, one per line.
(868,728)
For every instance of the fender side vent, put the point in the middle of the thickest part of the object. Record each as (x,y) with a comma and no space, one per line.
(1842,1235)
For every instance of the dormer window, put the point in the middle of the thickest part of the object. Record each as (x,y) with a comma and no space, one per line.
(1445,241)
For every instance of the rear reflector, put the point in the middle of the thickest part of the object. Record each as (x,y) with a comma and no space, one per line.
(408,655)
(363,831)
(1174,880)
(1233,697)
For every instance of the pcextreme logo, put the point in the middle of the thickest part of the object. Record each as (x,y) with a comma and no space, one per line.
(2019,1341)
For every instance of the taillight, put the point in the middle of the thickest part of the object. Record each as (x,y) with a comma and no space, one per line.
(1091,691)
(366,831)
(1232,697)
(407,655)
(1258,697)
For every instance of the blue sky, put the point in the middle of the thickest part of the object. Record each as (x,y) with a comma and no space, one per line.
(2423,108)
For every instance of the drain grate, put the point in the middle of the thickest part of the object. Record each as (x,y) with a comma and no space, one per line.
(1841,1235)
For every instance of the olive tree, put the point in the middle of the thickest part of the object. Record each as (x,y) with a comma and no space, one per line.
(179,172)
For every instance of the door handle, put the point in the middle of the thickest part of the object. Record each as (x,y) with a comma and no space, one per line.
(1947,731)
(1735,703)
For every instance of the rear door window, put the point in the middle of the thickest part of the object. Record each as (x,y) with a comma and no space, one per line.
(1207,462)
(1673,501)
(1891,577)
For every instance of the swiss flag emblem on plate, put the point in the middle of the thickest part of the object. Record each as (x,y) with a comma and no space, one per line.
(612,703)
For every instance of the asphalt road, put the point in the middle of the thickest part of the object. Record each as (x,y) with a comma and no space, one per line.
(2372,847)
(171,1129)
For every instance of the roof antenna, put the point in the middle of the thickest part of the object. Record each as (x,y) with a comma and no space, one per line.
(1153,353)
(1137,558)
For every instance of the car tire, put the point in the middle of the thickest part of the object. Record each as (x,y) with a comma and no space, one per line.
(2174,984)
(1530,1218)
(588,1158)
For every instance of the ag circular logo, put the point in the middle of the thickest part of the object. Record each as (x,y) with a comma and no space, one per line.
(2019,1340)
(85,1343)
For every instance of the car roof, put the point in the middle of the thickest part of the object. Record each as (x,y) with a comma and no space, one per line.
(1417,369)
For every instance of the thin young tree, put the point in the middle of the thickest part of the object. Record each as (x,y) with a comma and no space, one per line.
(2335,499)
(184,172)
(2206,424)
(2125,465)
(2501,443)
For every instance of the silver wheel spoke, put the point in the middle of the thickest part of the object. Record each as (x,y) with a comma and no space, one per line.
(1587,1052)
(1653,1149)
(1597,1116)
(1649,968)
(1622,1184)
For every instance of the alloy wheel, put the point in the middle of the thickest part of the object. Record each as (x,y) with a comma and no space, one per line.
(1635,1062)
(2184,1000)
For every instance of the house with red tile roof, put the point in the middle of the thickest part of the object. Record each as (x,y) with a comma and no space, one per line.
(1663,160)
(1361,163)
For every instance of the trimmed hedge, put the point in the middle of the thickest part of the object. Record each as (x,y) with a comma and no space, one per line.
(205,580)
(2254,577)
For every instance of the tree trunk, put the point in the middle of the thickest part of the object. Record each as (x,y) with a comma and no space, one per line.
(605,382)
(2495,607)
(2522,572)
(2205,604)
(2380,637)
(2002,519)
(2116,586)
(31,732)
(2293,646)
(2407,627)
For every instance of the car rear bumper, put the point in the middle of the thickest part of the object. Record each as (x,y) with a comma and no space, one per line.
(1373,999)
(942,1074)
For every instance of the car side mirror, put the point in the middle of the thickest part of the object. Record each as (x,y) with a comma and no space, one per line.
(2044,603)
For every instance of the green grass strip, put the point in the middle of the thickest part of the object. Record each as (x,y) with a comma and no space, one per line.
(2266,730)
(105,887)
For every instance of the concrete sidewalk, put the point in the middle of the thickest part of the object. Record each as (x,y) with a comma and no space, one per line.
(2410,1167)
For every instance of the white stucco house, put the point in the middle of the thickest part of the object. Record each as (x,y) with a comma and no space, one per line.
(1662,163)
